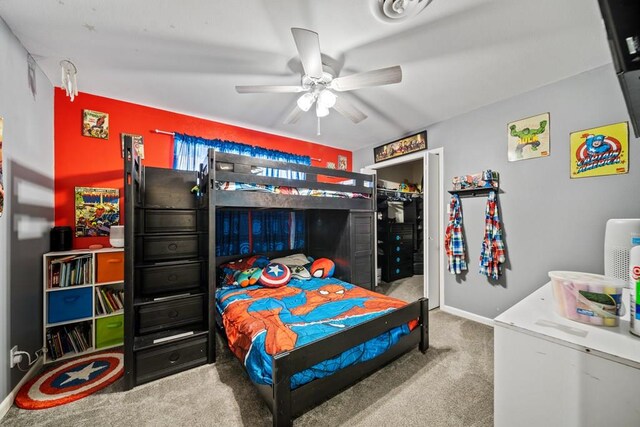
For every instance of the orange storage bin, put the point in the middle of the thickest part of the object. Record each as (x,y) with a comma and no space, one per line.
(110,267)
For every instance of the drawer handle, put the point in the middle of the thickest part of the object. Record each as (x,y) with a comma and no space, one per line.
(172,277)
(174,357)
(172,313)
(114,325)
(114,260)
(71,299)
(172,246)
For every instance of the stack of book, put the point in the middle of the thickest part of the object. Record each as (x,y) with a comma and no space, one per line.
(68,339)
(109,300)
(70,271)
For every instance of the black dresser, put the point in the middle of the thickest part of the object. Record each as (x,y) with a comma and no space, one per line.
(167,320)
(395,250)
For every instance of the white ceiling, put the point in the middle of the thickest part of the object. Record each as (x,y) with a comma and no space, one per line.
(188,55)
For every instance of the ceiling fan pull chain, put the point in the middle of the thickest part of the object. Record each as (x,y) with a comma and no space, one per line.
(318,126)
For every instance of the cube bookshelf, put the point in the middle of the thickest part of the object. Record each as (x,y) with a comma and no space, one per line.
(83,302)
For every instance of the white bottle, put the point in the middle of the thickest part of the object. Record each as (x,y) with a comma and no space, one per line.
(634,284)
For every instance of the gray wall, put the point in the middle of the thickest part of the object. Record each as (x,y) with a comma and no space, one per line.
(28,211)
(551,222)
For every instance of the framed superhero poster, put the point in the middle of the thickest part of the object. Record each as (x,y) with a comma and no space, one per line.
(97,209)
(528,138)
(95,124)
(600,151)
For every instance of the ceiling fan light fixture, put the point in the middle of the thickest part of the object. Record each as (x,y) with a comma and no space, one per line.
(306,101)
(327,99)
(321,110)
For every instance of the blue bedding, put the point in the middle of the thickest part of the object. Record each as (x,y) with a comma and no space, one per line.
(261,322)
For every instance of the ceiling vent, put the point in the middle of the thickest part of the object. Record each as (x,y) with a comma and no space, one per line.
(398,10)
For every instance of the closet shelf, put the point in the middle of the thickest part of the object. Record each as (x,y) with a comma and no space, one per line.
(387,190)
(473,192)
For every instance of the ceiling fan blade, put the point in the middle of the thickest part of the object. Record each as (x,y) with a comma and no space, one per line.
(269,89)
(294,115)
(383,76)
(349,110)
(308,45)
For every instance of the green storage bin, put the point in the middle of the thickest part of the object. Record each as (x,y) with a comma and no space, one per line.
(109,331)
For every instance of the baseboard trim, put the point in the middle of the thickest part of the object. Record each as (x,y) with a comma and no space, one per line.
(467,315)
(8,401)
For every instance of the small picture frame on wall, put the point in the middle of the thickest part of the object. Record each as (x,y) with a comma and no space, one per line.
(138,144)
(600,151)
(342,162)
(96,210)
(528,138)
(407,145)
(95,124)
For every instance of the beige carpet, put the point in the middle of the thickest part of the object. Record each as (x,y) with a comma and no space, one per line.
(452,385)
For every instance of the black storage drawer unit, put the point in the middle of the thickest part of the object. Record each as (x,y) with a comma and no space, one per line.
(396,243)
(170,221)
(169,359)
(163,279)
(168,248)
(170,314)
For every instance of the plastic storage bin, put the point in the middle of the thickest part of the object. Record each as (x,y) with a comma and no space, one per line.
(587,298)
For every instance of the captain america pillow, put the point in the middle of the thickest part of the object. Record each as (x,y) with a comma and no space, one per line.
(275,275)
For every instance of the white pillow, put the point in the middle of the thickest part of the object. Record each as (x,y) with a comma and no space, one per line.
(295,259)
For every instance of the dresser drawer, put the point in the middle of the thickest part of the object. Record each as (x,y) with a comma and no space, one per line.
(109,331)
(166,248)
(395,272)
(110,267)
(170,314)
(70,304)
(170,221)
(169,278)
(170,359)
(402,257)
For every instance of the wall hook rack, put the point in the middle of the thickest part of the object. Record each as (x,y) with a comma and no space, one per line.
(473,192)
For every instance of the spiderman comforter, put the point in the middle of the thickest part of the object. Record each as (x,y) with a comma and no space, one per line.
(261,322)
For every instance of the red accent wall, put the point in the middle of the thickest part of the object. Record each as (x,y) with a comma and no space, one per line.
(82,161)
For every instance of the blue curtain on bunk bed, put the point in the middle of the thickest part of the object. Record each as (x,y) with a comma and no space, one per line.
(189,151)
(255,232)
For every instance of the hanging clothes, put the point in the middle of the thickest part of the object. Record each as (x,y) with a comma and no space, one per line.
(493,253)
(453,239)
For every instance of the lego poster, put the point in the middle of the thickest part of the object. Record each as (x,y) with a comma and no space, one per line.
(95,124)
(528,138)
(97,209)
(600,151)
(1,179)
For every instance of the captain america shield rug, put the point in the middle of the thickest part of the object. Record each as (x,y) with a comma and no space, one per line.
(71,381)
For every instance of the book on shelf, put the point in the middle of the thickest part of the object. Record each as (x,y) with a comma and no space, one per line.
(68,339)
(109,300)
(73,270)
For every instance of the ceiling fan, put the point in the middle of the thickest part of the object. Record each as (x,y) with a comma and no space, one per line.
(319,82)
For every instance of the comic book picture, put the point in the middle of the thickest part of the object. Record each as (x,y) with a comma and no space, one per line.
(95,124)
(97,209)
(600,151)
(528,138)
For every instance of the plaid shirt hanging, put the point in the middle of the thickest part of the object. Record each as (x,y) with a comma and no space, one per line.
(453,240)
(493,253)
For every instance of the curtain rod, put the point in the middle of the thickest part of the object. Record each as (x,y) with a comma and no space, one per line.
(164,132)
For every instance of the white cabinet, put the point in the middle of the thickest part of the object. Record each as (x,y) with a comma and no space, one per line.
(551,371)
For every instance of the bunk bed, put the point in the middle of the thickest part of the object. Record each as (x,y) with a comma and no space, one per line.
(339,208)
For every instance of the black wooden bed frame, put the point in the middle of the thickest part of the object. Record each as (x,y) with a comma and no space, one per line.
(287,404)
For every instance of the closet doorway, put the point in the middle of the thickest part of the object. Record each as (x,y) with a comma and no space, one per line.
(409,261)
